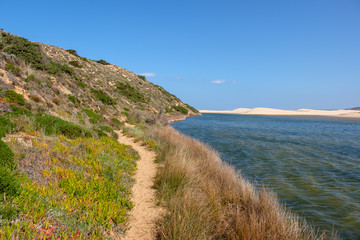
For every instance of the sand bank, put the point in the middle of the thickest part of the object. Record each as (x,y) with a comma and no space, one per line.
(280,112)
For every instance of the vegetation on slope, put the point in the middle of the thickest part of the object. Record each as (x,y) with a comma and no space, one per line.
(58,181)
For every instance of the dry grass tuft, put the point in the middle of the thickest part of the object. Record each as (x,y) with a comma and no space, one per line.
(207,199)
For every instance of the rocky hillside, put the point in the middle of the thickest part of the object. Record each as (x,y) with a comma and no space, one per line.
(61,83)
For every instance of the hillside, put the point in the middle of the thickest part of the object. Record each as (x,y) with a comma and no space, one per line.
(58,81)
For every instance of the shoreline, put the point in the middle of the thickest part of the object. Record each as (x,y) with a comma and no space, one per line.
(194,165)
(280,112)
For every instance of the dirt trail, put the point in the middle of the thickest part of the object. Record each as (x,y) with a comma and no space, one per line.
(145,212)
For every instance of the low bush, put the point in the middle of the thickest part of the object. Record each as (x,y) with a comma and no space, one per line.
(57,68)
(103,62)
(73,52)
(109,130)
(23,49)
(103,97)
(7,210)
(74,99)
(31,77)
(6,156)
(93,117)
(5,126)
(80,82)
(75,64)
(10,67)
(115,123)
(16,110)
(14,97)
(169,110)
(181,109)
(142,77)
(131,92)
(106,128)
(10,186)
(52,125)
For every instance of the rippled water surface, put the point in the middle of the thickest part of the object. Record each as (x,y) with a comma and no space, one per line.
(312,163)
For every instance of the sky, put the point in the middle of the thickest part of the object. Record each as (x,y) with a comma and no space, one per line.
(217,55)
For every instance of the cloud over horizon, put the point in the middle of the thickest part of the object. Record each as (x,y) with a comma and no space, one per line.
(219,81)
(147,74)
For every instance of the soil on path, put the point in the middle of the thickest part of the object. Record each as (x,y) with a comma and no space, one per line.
(145,213)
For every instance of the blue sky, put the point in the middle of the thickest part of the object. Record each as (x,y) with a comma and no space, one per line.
(213,54)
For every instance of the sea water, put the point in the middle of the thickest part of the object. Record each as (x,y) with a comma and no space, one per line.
(312,163)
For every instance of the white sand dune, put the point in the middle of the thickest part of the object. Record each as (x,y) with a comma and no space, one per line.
(299,112)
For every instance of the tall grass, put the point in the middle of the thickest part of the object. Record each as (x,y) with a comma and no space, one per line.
(206,199)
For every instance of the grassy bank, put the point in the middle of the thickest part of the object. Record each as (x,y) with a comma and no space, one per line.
(206,199)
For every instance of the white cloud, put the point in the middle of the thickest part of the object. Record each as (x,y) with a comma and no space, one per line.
(147,74)
(220,81)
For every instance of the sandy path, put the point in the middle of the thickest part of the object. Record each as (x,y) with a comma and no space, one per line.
(145,212)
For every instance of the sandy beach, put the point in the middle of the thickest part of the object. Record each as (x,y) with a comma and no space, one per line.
(280,112)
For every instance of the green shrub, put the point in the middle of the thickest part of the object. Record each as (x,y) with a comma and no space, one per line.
(6,156)
(103,97)
(10,67)
(2,131)
(57,68)
(5,126)
(14,97)
(125,114)
(23,49)
(75,64)
(16,110)
(9,185)
(80,82)
(116,121)
(126,109)
(73,52)
(30,78)
(93,117)
(168,110)
(7,210)
(103,62)
(181,109)
(52,125)
(107,129)
(131,92)
(102,130)
(142,77)
(74,99)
